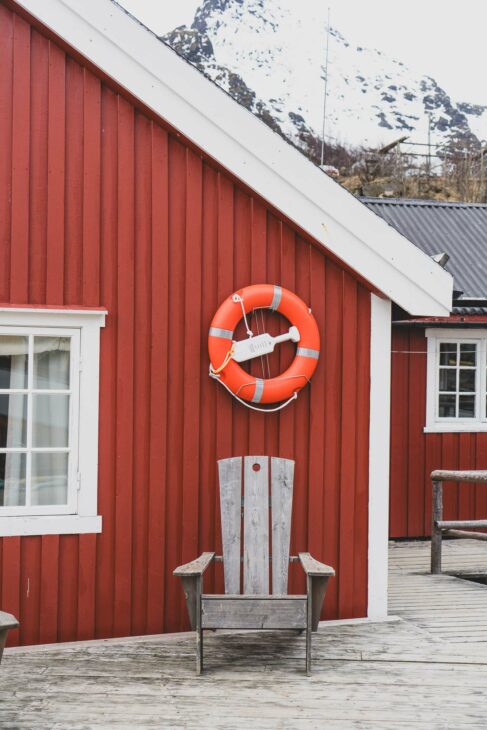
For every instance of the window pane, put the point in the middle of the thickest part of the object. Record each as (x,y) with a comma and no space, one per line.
(448,379)
(12,480)
(467,381)
(446,407)
(51,363)
(13,421)
(49,479)
(50,419)
(13,361)
(448,353)
(468,354)
(466,406)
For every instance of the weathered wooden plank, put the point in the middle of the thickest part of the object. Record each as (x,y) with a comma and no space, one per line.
(230,477)
(252,597)
(466,534)
(195,567)
(451,610)
(7,621)
(199,628)
(309,610)
(190,588)
(436,515)
(256,613)
(318,575)
(460,524)
(314,567)
(319,585)
(282,476)
(256,524)
(445,475)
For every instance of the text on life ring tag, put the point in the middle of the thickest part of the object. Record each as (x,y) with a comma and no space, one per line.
(244,350)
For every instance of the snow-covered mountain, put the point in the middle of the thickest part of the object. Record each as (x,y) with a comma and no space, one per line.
(270,58)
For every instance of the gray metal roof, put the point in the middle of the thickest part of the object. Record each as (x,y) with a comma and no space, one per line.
(458,229)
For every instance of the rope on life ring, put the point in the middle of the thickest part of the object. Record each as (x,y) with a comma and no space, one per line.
(254,408)
(224,360)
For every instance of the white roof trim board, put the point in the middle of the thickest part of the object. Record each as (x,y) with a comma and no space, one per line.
(176,91)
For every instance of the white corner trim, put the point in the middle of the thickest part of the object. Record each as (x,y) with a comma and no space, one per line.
(379,434)
(49,525)
(176,91)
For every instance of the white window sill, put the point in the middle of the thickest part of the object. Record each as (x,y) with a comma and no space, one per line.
(456,428)
(49,525)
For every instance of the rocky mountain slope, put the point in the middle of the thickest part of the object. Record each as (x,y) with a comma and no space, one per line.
(269,56)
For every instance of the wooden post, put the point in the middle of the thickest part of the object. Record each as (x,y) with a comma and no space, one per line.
(436,534)
(309,624)
(199,630)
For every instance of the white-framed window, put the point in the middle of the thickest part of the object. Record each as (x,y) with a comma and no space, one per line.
(456,380)
(49,389)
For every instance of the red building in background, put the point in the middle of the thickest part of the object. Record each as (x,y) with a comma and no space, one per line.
(439,366)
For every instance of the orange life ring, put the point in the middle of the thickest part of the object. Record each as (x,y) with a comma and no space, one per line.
(220,341)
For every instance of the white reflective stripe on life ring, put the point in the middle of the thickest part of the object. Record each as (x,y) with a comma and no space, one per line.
(259,389)
(276,299)
(219,332)
(307,352)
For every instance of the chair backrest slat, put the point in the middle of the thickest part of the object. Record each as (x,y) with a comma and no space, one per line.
(256,525)
(282,475)
(256,550)
(230,475)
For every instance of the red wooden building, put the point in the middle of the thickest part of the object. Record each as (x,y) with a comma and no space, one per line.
(439,417)
(135,196)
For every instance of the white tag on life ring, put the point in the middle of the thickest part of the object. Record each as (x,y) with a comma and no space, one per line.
(244,350)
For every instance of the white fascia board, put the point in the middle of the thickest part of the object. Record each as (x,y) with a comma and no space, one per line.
(379,435)
(176,91)
(29,316)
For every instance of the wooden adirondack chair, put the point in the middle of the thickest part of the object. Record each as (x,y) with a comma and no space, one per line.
(256,607)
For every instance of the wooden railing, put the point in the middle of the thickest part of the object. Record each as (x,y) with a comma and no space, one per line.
(452,528)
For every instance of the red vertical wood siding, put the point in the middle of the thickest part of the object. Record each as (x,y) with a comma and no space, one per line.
(414,454)
(102,205)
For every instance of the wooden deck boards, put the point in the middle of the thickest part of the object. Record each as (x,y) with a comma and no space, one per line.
(452,610)
(425,669)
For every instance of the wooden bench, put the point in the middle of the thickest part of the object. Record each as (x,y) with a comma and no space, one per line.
(7,622)
(452,528)
(267,490)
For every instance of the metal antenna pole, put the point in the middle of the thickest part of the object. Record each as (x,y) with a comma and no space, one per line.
(482,185)
(326,90)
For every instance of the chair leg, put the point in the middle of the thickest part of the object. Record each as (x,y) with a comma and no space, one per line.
(309,626)
(308,651)
(199,630)
(199,650)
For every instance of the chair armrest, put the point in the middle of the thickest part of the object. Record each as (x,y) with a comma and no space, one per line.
(7,621)
(196,567)
(313,567)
